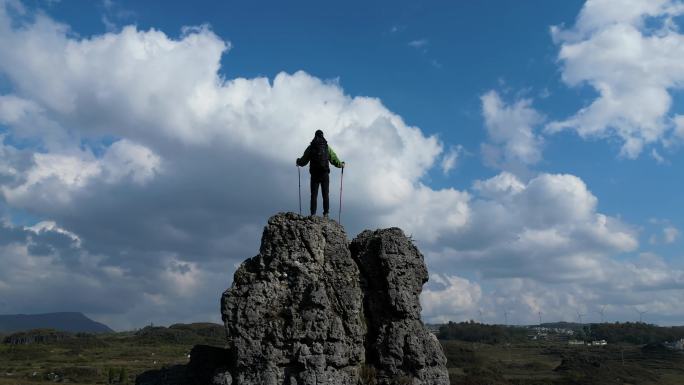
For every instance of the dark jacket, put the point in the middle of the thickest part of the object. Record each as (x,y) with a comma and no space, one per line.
(317,144)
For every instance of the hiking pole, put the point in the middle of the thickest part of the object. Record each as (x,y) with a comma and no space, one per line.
(299,174)
(339,213)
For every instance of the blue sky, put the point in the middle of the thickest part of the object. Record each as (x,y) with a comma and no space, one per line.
(531,147)
(465,49)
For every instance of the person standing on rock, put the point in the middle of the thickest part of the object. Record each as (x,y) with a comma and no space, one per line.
(319,155)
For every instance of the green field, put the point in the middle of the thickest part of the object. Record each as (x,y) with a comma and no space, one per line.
(39,363)
(104,359)
(118,358)
(558,363)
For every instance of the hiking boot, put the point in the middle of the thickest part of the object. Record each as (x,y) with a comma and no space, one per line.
(326,216)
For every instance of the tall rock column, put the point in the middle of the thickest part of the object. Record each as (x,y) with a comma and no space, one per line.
(398,345)
(294,312)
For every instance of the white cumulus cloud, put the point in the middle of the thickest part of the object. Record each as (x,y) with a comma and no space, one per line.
(164,169)
(455,297)
(547,228)
(151,174)
(632,65)
(510,128)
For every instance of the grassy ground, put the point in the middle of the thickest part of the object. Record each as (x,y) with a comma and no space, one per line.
(118,358)
(548,363)
(106,359)
(39,363)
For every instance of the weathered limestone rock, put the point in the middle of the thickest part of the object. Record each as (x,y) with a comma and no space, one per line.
(294,312)
(311,309)
(398,345)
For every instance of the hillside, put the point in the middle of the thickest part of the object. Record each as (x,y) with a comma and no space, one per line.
(66,321)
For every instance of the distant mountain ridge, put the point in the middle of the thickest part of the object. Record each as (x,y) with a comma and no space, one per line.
(74,322)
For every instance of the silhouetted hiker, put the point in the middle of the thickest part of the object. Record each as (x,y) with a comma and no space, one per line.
(319,154)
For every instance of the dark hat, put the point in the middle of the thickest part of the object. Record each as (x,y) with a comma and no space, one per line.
(319,133)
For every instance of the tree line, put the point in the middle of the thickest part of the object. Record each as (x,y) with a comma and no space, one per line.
(634,332)
(619,332)
(472,331)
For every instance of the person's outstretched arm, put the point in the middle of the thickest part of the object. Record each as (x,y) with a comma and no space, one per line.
(301,162)
(334,160)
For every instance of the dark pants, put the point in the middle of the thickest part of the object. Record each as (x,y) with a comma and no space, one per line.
(324,181)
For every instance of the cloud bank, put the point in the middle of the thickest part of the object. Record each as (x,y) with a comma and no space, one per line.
(166,171)
(136,176)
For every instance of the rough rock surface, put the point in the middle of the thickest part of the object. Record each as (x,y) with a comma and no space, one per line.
(293,314)
(398,345)
(311,309)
